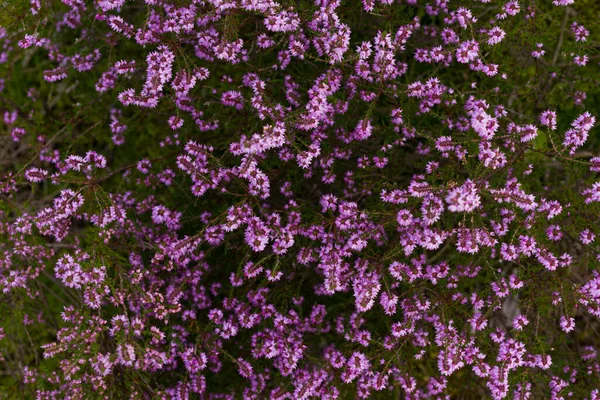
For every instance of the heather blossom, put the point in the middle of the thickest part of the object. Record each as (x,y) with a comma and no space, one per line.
(464,198)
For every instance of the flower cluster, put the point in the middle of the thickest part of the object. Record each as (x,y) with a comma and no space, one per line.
(292,200)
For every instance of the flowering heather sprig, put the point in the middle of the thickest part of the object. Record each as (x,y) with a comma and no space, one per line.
(463,198)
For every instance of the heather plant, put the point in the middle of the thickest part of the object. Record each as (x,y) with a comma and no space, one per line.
(325,199)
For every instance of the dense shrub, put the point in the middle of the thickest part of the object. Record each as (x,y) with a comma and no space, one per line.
(295,199)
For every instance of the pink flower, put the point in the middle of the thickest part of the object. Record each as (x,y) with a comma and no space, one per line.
(567,324)
(463,198)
